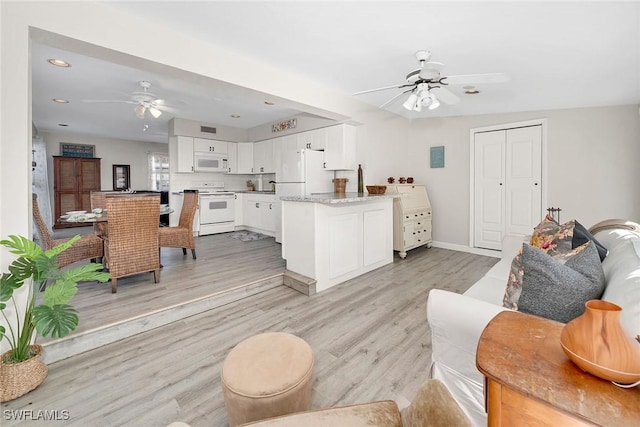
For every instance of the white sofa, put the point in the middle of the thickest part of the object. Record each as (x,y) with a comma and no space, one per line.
(457,321)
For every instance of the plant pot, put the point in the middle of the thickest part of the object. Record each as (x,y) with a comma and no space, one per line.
(598,344)
(17,379)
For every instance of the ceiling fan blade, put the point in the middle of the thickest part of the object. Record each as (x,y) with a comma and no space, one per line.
(445,95)
(381,88)
(394,98)
(95,101)
(476,78)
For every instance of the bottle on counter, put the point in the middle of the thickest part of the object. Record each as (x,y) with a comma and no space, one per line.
(360,180)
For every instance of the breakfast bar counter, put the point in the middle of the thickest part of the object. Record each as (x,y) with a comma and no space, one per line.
(335,237)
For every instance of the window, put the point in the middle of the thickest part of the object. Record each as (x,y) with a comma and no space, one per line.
(159,171)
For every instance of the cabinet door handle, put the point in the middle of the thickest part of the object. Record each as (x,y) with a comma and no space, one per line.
(235,196)
(270,205)
(324,165)
(257,205)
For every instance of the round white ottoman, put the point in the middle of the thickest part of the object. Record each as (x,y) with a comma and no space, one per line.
(265,376)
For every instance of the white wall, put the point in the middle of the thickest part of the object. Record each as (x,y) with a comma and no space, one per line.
(592,160)
(111,152)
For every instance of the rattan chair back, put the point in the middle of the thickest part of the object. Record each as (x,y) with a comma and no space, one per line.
(181,236)
(89,246)
(132,241)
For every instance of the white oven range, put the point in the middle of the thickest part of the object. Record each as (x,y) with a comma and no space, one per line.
(217,211)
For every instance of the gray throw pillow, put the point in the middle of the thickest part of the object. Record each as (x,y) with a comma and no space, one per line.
(558,291)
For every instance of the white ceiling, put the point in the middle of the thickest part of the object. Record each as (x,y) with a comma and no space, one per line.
(557,55)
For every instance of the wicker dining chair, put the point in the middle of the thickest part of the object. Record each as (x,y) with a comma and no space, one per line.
(90,246)
(99,200)
(181,236)
(131,244)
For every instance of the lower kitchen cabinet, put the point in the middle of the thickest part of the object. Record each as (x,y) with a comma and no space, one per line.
(259,213)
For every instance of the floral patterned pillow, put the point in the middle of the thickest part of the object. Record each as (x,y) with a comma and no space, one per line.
(553,238)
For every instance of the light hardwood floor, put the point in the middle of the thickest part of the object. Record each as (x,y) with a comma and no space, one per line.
(369,335)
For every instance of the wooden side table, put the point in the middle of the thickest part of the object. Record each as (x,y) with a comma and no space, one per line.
(530,381)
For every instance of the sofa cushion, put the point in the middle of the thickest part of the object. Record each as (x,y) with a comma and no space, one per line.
(581,236)
(559,291)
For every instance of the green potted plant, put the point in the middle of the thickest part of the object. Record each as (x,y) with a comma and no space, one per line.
(47,310)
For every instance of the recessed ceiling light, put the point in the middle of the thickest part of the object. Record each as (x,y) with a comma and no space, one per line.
(59,63)
(62,124)
(269,103)
(60,101)
(235,116)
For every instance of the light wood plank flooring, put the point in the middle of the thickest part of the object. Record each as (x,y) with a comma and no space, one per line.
(370,339)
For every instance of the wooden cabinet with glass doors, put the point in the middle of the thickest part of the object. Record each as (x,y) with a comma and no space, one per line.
(74,178)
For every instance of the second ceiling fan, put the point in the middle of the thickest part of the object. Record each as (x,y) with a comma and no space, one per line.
(144,102)
(426,85)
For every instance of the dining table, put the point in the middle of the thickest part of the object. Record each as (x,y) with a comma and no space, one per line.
(99,215)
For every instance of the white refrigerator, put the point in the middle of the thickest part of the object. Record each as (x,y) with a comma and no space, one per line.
(300,172)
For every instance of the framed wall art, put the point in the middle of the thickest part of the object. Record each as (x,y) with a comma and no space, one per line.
(121,177)
(77,150)
(437,157)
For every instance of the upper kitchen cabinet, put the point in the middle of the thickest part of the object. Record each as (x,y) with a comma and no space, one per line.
(210,145)
(340,148)
(263,157)
(240,157)
(314,140)
(184,154)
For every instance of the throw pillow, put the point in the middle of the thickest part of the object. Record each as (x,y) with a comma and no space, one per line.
(581,236)
(552,237)
(559,291)
(514,283)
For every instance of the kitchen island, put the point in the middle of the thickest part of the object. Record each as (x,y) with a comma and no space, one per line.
(332,238)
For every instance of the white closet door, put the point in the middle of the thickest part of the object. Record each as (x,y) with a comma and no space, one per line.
(489,189)
(507,184)
(523,173)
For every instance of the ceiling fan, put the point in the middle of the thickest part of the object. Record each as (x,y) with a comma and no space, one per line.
(427,84)
(143,100)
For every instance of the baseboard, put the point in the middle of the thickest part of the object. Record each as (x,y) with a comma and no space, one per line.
(468,249)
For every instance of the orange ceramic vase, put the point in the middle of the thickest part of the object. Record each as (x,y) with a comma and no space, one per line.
(598,344)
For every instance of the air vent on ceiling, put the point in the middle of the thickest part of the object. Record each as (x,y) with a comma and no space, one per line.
(207,129)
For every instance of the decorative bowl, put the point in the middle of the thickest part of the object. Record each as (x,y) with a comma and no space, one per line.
(376,189)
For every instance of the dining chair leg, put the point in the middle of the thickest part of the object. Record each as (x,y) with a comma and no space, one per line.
(156,275)
(193,253)
(114,285)
(184,251)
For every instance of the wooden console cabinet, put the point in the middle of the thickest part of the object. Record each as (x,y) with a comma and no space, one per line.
(529,381)
(74,178)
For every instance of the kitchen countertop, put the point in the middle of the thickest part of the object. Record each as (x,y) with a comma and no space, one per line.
(335,198)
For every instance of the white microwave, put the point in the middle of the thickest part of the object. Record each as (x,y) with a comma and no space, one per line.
(209,162)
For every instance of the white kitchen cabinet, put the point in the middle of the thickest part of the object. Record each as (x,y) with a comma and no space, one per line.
(260,212)
(210,146)
(292,142)
(263,157)
(314,139)
(245,157)
(240,157)
(232,158)
(184,154)
(340,148)
(239,211)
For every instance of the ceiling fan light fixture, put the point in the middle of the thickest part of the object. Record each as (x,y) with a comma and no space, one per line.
(155,112)
(434,102)
(411,101)
(140,110)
